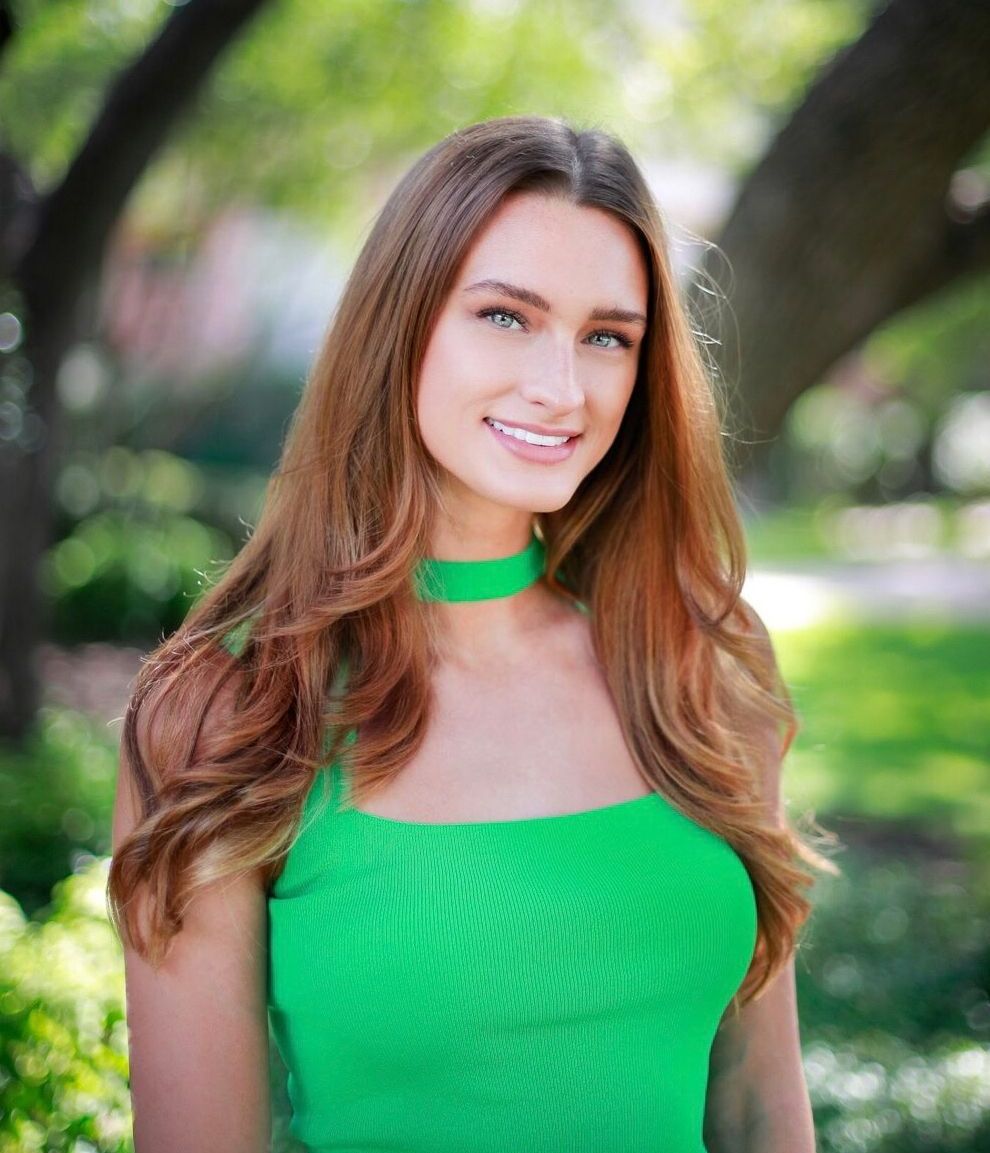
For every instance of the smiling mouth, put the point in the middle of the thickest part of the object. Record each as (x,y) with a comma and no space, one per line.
(527,437)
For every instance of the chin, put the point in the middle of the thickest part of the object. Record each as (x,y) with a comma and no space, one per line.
(529,496)
(552,505)
(535,500)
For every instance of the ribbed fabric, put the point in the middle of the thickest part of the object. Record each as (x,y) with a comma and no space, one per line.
(541,985)
(546,985)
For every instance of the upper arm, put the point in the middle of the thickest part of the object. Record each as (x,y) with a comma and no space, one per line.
(757,1095)
(198,1025)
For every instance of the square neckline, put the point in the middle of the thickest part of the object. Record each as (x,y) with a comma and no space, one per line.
(612,807)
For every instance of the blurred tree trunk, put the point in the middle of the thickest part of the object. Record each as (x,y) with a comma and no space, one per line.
(853,214)
(51,249)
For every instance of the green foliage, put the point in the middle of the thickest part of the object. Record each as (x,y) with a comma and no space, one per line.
(721,78)
(892,978)
(894,968)
(938,348)
(60,60)
(897,946)
(146,538)
(892,440)
(56,800)
(877,1095)
(63,1042)
(364,83)
(64,1076)
(118,578)
(302,120)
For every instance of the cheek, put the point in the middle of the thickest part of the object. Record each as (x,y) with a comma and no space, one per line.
(432,414)
(443,408)
(434,388)
(612,409)
(607,420)
(449,368)
(454,389)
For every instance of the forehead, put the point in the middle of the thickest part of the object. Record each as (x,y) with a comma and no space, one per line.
(559,249)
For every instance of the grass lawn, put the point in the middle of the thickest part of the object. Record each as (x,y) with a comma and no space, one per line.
(895,725)
(894,722)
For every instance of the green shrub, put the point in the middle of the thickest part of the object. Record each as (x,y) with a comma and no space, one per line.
(897,946)
(122,577)
(56,801)
(138,533)
(874,1094)
(893,975)
(63,1044)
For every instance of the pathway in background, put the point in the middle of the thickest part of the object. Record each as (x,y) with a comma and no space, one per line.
(938,588)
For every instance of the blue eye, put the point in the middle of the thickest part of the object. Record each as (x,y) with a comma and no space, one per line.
(623,340)
(502,312)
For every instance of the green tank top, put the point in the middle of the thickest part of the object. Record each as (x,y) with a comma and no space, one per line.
(538,984)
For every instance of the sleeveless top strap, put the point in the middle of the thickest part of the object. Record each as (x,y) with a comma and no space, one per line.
(334,774)
(331,782)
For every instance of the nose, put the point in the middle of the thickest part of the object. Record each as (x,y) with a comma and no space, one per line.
(554,383)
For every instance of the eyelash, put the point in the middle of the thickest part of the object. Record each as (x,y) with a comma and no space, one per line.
(623,340)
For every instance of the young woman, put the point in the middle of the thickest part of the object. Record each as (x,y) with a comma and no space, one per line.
(466,775)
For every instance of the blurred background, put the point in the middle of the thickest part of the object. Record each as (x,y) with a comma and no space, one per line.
(183,187)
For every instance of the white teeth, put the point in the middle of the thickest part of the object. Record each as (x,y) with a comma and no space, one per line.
(529,437)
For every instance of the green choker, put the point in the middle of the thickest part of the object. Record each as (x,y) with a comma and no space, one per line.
(480,580)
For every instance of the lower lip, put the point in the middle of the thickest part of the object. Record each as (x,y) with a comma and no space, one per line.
(542,454)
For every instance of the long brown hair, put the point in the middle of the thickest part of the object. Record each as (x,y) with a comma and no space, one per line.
(650,545)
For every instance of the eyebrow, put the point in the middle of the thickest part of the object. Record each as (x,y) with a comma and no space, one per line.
(527,296)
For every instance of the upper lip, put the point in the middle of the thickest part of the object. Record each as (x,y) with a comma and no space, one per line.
(542,429)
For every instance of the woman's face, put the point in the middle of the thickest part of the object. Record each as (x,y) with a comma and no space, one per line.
(541,332)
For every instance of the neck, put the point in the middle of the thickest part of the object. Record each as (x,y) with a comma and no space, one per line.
(480,636)
(498,539)
(488,594)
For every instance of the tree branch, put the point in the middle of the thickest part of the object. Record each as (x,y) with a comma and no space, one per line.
(961,249)
(75,218)
(18,201)
(849,205)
